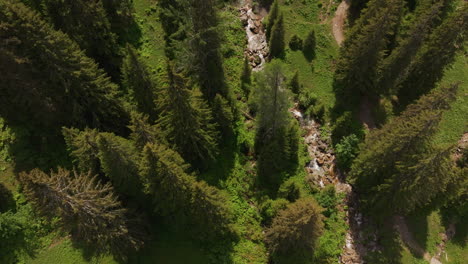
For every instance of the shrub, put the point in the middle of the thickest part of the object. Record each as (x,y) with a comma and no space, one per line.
(345,125)
(295,43)
(270,209)
(346,151)
(328,199)
(295,229)
(290,190)
(307,99)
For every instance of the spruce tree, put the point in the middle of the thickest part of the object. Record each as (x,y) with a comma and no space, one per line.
(186,121)
(277,42)
(271,140)
(120,16)
(364,48)
(48,82)
(394,67)
(119,162)
(295,229)
(203,47)
(86,22)
(88,209)
(143,132)
(416,182)
(137,82)
(172,15)
(272,17)
(83,148)
(176,193)
(401,141)
(435,55)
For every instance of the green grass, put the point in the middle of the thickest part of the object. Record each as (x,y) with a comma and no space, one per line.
(454,121)
(300,18)
(426,227)
(65,253)
(151,44)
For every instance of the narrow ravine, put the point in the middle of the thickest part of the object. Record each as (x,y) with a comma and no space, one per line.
(257,44)
(321,170)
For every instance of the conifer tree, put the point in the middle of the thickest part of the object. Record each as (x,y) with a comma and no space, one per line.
(120,16)
(143,132)
(415,182)
(83,148)
(172,21)
(186,121)
(435,55)
(48,82)
(204,61)
(364,48)
(356,7)
(401,141)
(296,228)
(176,193)
(394,67)
(86,23)
(138,84)
(88,209)
(272,17)
(119,162)
(277,42)
(271,140)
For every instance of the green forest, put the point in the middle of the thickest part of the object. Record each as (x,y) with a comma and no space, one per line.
(233,131)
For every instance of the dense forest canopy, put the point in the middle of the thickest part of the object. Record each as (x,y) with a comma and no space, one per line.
(242,131)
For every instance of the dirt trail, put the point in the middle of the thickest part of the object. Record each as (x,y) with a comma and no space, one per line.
(338,21)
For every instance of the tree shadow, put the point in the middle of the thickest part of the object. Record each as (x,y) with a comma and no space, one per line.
(453,220)
(220,169)
(171,243)
(390,248)
(419,227)
(309,54)
(6,200)
(32,148)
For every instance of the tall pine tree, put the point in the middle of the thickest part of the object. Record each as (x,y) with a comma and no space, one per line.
(88,209)
(435,55)
(186,121)
(401,141)
(272,17)
(86,22)
(364,48)
(178,194)
(48,82)
(119,162)
(277,42)
(203,47)
(274,140)
(399,60)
